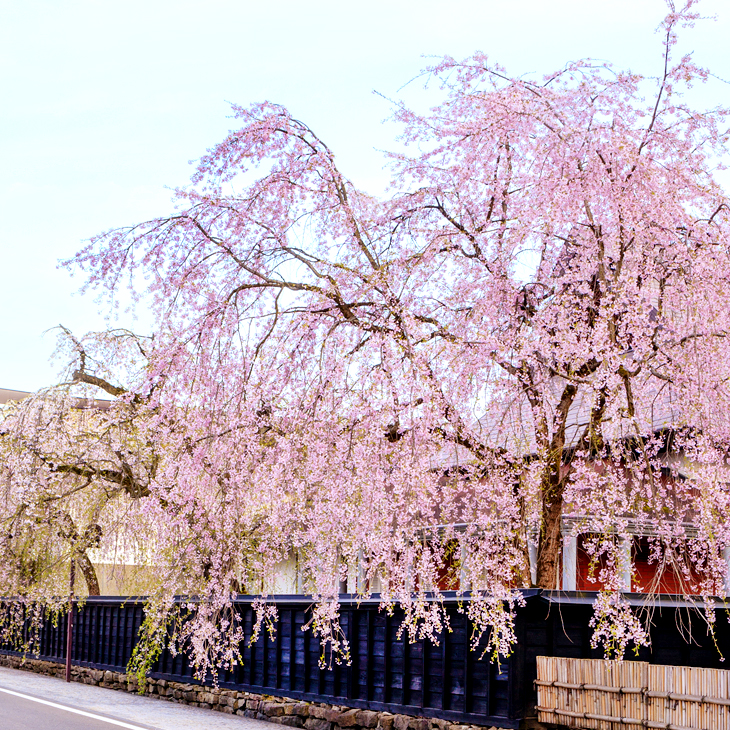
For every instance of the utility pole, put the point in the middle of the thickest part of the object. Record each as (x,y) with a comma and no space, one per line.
(70,620)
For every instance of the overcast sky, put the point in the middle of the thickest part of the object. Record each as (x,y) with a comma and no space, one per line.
(102,105)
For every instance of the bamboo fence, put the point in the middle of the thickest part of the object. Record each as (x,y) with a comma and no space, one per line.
(594,694)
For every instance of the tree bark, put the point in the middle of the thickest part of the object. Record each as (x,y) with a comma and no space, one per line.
(89,573)
(553,488)
(550,543)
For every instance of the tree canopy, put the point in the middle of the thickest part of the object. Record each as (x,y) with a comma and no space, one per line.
(531,326)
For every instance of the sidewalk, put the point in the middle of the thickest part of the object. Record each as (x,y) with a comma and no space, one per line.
(155,714)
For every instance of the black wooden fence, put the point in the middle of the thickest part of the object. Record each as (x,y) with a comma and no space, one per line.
(386,671)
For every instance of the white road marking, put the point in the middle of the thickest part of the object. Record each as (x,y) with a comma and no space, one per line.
(118,723)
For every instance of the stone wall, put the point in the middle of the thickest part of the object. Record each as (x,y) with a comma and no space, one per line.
(293,713)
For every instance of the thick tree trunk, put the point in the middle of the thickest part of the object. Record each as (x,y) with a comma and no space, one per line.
(90,538)
(550,542)
(89,573)
(553,486)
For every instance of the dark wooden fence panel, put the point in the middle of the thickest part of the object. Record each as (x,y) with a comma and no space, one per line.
(386,671)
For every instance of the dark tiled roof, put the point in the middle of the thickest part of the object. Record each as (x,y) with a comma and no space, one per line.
(9,395)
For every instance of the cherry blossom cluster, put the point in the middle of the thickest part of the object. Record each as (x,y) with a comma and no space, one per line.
(410,394)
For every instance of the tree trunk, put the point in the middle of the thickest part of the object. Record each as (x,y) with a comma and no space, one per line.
(550,543)
(89,572)
(553,486)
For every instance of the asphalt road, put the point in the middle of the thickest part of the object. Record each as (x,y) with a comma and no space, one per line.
(97,708)
(21,713)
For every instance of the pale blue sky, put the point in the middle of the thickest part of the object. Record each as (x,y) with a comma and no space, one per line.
(103,103)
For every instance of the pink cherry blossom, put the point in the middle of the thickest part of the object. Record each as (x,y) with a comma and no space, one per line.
(527,337)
